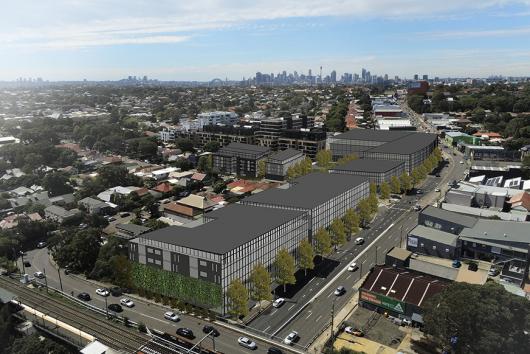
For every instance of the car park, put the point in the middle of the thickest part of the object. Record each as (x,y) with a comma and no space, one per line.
(211,330)
(353,267)
(278,302)
(291,338)
(355,331)
(247,343)
(127,302)
(115,308)
(39,275)
(83,296)
(171,316)
(103,292)
(185,332)
(359,241)
(340,290)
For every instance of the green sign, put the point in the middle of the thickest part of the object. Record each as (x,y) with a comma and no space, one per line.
(383,301)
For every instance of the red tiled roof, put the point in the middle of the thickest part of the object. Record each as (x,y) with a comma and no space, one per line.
(163,188)
(521,199)
(198,176)
(179,209)
(142,191)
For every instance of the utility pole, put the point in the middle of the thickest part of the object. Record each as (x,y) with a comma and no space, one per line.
(106,307)
(22,256)
(60,280)
(45,280)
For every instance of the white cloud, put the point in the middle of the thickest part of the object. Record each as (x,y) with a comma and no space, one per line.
(506,32)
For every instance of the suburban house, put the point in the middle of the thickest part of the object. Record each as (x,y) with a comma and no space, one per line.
(59,214)
(94,206)
(189,207)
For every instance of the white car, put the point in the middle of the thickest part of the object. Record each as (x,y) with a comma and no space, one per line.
(461,162)
(359,241)
(171,316)
(353,267)
(291,338)
(278,302)
(103,292)
(247,343)
(437,189)
(39,275)
(127,302)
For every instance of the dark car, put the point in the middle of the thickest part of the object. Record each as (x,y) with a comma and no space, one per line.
(210,329)
(115,308)
(116,291)
(185,332)
(84,296)
(472,267)
(27,264)
(273,350)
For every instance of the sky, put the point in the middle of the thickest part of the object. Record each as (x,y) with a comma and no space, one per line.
(206,39)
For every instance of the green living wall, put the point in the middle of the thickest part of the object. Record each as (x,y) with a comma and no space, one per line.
(174,285)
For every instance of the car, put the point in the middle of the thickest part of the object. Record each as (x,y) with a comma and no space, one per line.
(185,332)
(340,290)
(41,244)
(406,322)
(83,296)
(417,207)
(116,291)
(66,271)
(103,292)
(171,316)
(124,214)
(291,338)
(247,343)
(355,331)
(39,275)
(127,302)
(437,175)
(27,264)
(436,189)
(456,264)
(493,272)
(274,350)
(461,162)
(359,241)
(115,308)
(112,218)
(83,226)
(472,267)
(395,196)
(419,191)
(278,302)
(211,330)
(353,267)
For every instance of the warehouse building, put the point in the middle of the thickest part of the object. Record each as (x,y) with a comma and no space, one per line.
(409,147)
(377,171)
(239,159)
(324,196)
(226,246)
(279,163)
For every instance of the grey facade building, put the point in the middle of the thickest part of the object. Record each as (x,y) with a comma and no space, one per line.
(377,171)
(239,159)
(308,141)
(433,242)
(226,246)
(409,147)
(324,196)
(94,206)
(130,231)
(279,163)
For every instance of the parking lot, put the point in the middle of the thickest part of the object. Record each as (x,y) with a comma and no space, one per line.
(376,327)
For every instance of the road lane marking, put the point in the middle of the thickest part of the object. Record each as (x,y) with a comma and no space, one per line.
(310,313)
(265,330)
(289,309)
(318,318)
(348,277)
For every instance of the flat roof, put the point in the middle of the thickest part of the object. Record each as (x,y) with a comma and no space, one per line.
(233,226)
(464,220)
(285,154)
(429,233)
(245,148)
(368,165)
(308,191)
(374,135)
(407,144)
(399,253)
(498,230)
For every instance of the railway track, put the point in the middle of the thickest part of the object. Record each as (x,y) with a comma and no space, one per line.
(110,334)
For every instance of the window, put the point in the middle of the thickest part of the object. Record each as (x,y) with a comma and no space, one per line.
(433,247)
(203,274)
(202,263)
(447,250)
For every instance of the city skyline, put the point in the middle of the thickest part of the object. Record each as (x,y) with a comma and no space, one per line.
(61,40)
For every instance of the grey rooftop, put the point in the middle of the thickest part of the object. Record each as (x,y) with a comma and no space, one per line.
(368,165)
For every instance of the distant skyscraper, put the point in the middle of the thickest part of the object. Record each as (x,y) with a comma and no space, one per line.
(363,74)
(386,77)
(333,76)
(309,73)
(426,77)
(416,76)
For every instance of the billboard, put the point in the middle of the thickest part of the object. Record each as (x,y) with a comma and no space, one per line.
(382,301)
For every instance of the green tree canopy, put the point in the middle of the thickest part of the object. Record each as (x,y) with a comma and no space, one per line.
(385,190)
(324,159)
(395,185)
(351,222)
(261,283)
(307,255)
(285,267)
(322,242)
(338,233)
(365,211)
(405,181)
(237,296)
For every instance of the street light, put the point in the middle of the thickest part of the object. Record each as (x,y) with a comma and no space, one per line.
(106,307)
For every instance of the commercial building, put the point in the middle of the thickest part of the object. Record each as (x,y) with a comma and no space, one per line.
(377,171)
(323,196)
(225,135)
(309,142)
(213,118)
(279,163)
(410,147)
(239,159)
(226,246)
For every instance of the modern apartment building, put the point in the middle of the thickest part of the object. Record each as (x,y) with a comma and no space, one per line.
(226,246)
(239,159)
(377,171)
(270,131)
(279,163)
(309,142)
(225,135)
(213,118)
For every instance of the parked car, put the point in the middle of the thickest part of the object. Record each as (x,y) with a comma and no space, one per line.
(103,292)
(417,207)
(171,316)
(84,296)
(406,322)
(437,175)
(211,330)
(127,302)
(340,290)
(278,302)
(436,189)
(355,331)
(291,338)
(41,244)
(472,267)
(112,218)
(39,275)
(456,264)
(359,241)
(493,272)
(115,308)
(27,264)
(353,267)
(419,191)
(186,333)
(247,343)
(274,350)
(124,214)
(461,162)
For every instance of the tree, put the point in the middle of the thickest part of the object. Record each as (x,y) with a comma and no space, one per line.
(306,256)
(79,252)
(351,222)
(485,318)
(385,190)
(373,188)
(285,268)
(185,145)
(373,203)
(364,211)
(211,146)
(237,296)
(395,185)
(261,283)
(347,158)
(34,345)
(205,164)
(338,233)
(147,148)
(324,159)
(405,181)
(262,168)
(56,184)
(322,242)
(415,177)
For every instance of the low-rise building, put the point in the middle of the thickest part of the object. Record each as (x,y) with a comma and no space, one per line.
(59,214)
(377,171)
(130,231)
(279,163)
(94,206)
(239,159)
